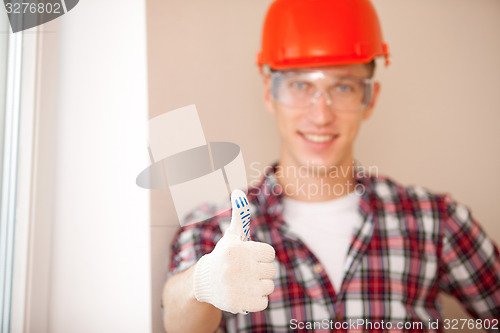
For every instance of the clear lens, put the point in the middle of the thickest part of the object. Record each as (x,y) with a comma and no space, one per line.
(303,89)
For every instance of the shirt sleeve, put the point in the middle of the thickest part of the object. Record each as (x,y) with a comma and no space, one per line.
(190,243)
(469,263)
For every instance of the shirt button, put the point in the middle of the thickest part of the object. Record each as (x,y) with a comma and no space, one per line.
(318,268)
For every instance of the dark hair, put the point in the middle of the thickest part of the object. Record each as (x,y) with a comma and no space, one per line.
(371,68)
(369,65)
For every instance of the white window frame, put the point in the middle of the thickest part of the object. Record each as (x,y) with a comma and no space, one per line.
(34,199)
(9,174)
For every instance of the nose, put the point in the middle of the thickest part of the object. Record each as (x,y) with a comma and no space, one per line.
(325,95)
(321,112)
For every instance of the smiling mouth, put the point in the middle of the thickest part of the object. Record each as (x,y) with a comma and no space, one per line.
(318,138)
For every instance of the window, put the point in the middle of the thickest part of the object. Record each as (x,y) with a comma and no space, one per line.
(10,76)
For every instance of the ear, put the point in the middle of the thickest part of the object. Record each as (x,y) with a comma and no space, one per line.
(268,100)
(369,110)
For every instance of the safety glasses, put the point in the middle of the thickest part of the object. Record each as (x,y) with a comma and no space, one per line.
(302,89)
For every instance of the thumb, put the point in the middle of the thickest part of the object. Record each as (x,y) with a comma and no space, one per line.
(240,221)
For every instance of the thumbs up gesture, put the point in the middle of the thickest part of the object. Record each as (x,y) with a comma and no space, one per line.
(237,275)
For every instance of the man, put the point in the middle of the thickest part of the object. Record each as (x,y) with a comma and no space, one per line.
(360,252)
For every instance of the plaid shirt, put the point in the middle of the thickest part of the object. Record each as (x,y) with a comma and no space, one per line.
(412,245)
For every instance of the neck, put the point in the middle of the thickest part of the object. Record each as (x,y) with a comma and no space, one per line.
(316,183)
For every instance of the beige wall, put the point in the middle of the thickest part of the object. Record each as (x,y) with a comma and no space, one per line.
(437,123)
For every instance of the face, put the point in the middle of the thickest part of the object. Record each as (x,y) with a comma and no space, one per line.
(317,135)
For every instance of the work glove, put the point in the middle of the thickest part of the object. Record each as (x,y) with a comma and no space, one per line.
(237,275)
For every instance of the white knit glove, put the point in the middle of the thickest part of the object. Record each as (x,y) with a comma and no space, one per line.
(237,275)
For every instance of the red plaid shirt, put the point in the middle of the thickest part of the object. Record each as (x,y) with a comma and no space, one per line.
(412,245)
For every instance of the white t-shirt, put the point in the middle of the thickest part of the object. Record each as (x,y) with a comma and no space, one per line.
(327,229)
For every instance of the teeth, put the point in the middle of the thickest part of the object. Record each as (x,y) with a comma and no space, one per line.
(318,138)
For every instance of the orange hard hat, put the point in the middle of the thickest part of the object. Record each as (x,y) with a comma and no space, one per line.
(309,33)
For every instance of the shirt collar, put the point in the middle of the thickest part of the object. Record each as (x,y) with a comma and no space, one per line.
(268,195)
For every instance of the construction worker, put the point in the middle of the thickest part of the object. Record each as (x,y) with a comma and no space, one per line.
(360,253)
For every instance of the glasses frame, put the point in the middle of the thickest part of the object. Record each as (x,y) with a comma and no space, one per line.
(278,75)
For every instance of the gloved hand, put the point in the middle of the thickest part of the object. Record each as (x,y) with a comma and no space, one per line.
(237,275)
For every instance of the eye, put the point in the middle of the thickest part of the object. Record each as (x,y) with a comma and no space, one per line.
(344,88)
(299,85)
